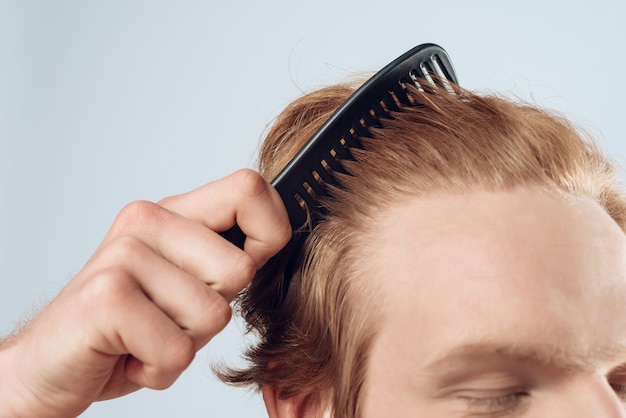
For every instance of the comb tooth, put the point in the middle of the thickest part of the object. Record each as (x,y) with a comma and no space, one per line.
(325,175)
(314,184)
(395,100)
(437,68)
(434,73)
(333,160)
(305,195)
(350,138)
(418,79)
(338,152)
(401,93)
(401,96)
(360,130)
(378,112)
(295,208)
(369,119)
(427,71)
(301,203)
(297,213)
(440,70)
(387,104)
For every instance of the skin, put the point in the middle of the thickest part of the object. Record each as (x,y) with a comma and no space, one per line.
(507,304)
(156,290)
(522,291)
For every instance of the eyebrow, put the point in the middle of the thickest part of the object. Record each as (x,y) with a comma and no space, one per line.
(548,355)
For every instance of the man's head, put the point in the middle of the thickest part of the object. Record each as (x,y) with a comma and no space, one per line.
(474,241)
(497,303)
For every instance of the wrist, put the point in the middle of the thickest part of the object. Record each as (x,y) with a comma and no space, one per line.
(8,397)
(14,395)
(24,393)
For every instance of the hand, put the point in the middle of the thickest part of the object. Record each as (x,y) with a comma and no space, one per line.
(156,290)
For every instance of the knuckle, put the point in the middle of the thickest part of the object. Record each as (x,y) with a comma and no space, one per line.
(181,352)
(106,288)
(177,354)
(138,212)
(250,182)
(240,271)
(213,314)
(244,267)
(219,313)
(283,233)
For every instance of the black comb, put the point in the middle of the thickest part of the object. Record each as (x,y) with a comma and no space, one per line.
(305,177)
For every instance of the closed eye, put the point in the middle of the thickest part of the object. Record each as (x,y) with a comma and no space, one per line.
(494,402)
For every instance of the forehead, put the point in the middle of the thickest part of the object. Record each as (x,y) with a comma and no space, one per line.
(523,266)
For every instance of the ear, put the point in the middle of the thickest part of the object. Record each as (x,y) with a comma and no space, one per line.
(312,405)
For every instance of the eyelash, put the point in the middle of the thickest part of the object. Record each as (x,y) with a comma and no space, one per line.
(512,401)
(620,390)
(500,404)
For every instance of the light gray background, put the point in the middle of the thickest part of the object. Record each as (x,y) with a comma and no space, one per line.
(102,103)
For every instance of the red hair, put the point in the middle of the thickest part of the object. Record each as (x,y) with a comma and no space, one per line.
(316,335)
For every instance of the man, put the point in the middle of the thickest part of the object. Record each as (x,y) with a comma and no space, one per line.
(471,265)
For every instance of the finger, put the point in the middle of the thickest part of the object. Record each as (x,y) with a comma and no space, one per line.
(187,244)
(196,308)
(125,321)
(243,198)
(130,318)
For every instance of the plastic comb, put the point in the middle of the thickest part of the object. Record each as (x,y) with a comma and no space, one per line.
(306,176)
